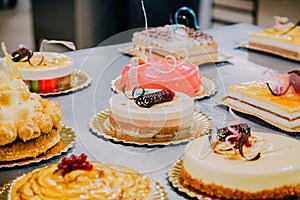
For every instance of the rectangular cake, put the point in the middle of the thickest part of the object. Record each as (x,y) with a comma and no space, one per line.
(282,39)
(255,98)
(180,40)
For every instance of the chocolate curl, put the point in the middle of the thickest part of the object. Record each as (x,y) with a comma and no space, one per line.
(21,55)
(148,100)
(24,55)
(242,140)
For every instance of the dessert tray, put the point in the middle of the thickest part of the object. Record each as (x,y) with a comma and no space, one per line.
(173,175)
(131,51)
(81,80)
(159,193)
(245,44)
(208,87)
(262,120)
(67,138)
(99,124)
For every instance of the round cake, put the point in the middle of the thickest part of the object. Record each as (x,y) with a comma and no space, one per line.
(44,72)
(180,76)
(29,124)
(90,180)
(158,123)
(222,173)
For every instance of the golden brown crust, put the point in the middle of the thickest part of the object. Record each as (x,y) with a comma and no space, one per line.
(163,134)
(218,191)
(29,149)
(275,50)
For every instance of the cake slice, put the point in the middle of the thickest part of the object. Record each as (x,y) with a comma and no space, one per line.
(197,46)
(282,39)
(278,104)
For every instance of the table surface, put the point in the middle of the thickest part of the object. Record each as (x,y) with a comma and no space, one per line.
(105,63)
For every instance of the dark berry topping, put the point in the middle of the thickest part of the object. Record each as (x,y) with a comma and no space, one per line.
(223,133)
(74,163)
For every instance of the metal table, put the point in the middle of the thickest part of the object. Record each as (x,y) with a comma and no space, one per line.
(105,63)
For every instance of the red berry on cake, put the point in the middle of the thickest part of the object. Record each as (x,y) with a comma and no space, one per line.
(74,163)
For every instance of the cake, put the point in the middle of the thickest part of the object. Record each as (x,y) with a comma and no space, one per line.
(197,46)
(133,120)
(282,39)
(256,98)
(88,180)
(29,124)
(178,75)
(263,166)
(43,72)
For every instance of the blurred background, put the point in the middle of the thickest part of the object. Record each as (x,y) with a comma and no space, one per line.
(89,22)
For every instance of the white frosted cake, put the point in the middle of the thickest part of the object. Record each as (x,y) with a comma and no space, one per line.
(221,172)
(179,39)
(282,39)
(255,98)
(161,122)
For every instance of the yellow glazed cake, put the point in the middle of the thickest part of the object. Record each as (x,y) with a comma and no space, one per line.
(43,72)
(256,99)
(161,122)
(197,46)
(217,169)
(96,181)
(29,124)
(282,39)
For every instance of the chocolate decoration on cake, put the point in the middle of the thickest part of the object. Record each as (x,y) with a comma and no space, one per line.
(148,100)
(22,54)
(237,135)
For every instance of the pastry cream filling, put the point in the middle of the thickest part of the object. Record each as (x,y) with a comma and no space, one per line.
(278,165)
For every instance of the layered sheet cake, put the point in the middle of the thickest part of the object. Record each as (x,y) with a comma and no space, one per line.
(77,178)
(275,100)
(156,116)
(282,39)
(242,165)
(197,46)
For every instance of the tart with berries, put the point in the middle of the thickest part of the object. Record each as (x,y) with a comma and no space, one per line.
(77,178)
(274,99)
(241,164)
